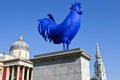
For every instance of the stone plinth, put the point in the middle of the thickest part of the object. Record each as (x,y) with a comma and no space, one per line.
(63,65)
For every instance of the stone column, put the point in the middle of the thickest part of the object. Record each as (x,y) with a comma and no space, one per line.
(18,69)
(28,71)
(12,77)
(31,74)
(23,73)
(8,73)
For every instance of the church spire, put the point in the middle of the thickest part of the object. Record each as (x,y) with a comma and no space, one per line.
(97,48)
(99,68)
(98,55)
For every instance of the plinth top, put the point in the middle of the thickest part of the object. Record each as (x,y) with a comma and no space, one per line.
(77,52)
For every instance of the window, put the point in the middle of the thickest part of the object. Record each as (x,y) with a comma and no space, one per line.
(97,74)
(98,57)
(97,68)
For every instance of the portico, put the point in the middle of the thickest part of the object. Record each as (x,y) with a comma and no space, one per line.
(17,70)
(17,73)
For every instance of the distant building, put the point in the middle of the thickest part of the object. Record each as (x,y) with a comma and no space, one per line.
(16,65)
(99,68)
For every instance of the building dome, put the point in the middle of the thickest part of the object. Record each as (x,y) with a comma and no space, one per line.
(19,45)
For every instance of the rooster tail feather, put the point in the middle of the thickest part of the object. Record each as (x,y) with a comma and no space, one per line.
(39,28)
(51,17)
(44,28)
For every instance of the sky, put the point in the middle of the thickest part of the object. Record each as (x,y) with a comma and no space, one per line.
(100,23)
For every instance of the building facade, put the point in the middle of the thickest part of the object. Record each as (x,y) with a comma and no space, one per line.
(16,65)
(99,68)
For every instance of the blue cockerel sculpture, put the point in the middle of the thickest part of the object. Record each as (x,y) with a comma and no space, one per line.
(63,32)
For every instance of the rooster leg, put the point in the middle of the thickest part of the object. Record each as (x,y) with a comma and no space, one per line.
(68,43)
(67,46)
(64,46)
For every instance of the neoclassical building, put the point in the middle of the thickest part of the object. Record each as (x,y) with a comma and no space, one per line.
(16,65)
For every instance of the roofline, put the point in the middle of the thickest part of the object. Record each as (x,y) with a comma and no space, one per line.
(18,59)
